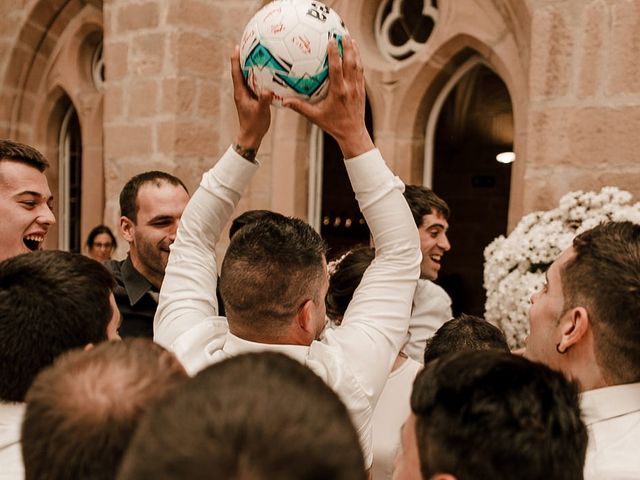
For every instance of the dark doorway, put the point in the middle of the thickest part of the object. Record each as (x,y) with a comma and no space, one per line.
(71,176)
(342,225)
(475,124)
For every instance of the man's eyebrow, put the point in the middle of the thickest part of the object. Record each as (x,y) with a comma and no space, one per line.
(32,193)
(436,225)
(161,218)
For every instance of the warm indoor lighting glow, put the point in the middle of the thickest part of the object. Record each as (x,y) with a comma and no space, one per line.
(506,157)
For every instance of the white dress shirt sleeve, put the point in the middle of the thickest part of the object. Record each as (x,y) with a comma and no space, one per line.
(375,323)
(186,320)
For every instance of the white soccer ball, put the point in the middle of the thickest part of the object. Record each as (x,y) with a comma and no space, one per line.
(284,49)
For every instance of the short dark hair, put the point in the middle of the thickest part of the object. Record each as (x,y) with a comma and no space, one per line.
(604,277)
(95,231)
(271,268)
(129,194)
(253,416)
(21,153)
(251,216)
(423,201)
(488,414)
(50,302)
(466,332)
(82,412)
(345,279)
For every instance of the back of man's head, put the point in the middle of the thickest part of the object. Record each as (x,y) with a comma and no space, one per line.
(21,153)
(129,193)
(251,216)
(466,332)
(271,268)
(82,411)
(604,277)
(423,201)
(257,416)
(50,302)
(487,414)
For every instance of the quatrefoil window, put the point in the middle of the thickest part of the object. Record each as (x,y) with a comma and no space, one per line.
(404,26)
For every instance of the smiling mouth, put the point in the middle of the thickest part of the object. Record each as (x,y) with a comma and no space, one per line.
(33,242)
(436,258)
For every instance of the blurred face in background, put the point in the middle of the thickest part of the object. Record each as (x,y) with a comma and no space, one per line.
(102,247)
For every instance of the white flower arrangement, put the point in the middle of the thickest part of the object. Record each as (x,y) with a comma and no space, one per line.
(514,266)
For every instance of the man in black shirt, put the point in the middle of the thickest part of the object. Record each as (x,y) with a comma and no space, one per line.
(151,205)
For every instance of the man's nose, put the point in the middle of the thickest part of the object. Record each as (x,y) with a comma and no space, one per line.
(47,217)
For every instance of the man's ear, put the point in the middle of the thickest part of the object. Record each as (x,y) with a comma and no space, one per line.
(304,317)
(127,227)
(574,327)
(88,347)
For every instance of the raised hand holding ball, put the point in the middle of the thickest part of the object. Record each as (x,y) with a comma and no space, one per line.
(284,49)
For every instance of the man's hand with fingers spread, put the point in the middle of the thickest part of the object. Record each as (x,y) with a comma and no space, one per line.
(341,112)
(254,114)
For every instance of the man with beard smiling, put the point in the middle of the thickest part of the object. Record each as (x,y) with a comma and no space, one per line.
(151,205)
(25,199)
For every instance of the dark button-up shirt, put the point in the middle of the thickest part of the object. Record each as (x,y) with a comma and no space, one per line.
(135,299)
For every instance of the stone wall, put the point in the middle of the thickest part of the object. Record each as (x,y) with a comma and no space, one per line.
(584,106)
(168,97)
(571,67)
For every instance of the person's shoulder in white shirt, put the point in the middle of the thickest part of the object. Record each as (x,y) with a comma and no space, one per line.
(11,467)
(612,416)
(431,309)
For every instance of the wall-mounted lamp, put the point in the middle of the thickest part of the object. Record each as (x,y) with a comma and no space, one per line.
(506,157)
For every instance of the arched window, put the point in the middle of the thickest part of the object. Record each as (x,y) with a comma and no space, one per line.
(470,124)
(70,182)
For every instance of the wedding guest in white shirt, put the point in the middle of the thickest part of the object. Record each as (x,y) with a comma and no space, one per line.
(274,275)
(491,415)
(253,416)
(585,322)
(431,304)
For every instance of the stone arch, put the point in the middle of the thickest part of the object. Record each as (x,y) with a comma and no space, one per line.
(494,30)
(50,69)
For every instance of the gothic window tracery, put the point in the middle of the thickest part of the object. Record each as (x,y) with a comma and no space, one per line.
(403,27)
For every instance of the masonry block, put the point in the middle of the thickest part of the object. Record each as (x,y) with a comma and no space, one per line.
(125,140)
(137,16)
(116,58)
(596,19)
(197,13)
(178,96)
(209,100)
(195,138)
(143,98)
(147,54)
(552,50)
(198,54)
(624,62)
(113,103)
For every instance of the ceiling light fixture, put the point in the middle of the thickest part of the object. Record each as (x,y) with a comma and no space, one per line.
(506,157)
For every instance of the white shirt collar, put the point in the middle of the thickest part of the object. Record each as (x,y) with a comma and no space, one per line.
(609,402)
(235,346)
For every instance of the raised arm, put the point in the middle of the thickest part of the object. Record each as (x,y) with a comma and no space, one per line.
(186,319)
(375,324)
